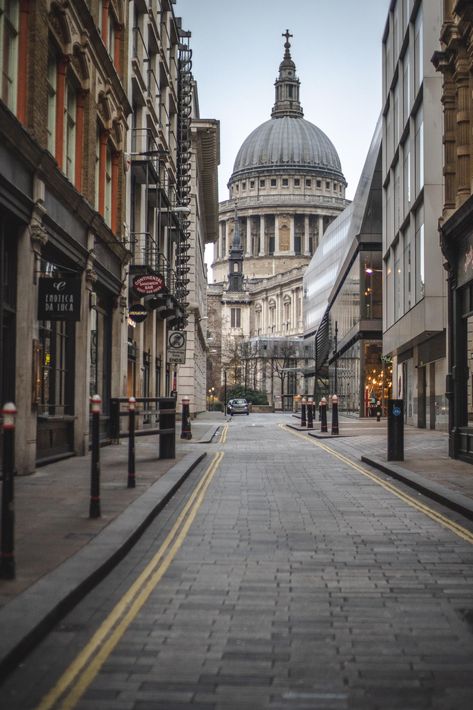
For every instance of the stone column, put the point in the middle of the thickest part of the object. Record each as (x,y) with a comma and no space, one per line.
(292,219)
(276,234)
(306,235)
(249,250)
(320,232)
(262,247)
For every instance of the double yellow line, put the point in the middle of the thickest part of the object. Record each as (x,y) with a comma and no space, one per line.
(459,530)
(82,671)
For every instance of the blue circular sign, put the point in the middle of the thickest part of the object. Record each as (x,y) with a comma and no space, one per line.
(396,411)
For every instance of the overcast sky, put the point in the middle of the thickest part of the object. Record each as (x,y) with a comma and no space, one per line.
(237,48)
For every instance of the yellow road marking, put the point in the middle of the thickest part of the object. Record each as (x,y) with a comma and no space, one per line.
(223,435)
(85,667)
(430,512)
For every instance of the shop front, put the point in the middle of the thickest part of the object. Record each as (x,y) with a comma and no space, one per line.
(457,246)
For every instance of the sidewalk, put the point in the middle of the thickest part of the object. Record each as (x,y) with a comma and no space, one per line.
(426,466)
(60,552)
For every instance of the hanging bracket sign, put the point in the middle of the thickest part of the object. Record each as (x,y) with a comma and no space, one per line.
(59,298)
(148,284)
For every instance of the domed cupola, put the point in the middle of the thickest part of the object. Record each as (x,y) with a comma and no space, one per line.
(287,86)
(287,143)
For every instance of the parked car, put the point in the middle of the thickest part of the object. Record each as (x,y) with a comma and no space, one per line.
(238,406)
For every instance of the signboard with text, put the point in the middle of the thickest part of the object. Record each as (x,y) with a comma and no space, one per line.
(59,298)
(176,352)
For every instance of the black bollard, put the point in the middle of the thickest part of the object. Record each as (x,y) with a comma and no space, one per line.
(378,411)
(310,414)
(323,415)
(186,432)
(334,414)
(94,507)
(303,412)
(7,554)
(131,442)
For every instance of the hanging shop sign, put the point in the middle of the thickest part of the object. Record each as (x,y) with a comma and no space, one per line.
(137,313)
(148,283)
(176,351)
(59,298)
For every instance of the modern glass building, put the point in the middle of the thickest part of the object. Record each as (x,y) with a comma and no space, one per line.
(343,301)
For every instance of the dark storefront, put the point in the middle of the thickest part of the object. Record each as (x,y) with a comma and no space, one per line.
(457,245)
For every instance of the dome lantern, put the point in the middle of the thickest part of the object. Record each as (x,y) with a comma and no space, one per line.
(287,86)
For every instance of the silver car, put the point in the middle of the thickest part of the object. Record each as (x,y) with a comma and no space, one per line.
(238,406)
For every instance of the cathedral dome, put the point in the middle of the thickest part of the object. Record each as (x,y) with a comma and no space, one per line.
(287,144)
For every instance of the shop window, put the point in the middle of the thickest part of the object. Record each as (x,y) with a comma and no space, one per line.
(9,40)
(56,389)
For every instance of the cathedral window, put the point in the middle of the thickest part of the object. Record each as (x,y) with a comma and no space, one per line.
(308,183)
(243,186)
(235,317)
(327,185)
(285,182)
(319,183)
(252,184)
(262,183)
(297,182)
(273,182)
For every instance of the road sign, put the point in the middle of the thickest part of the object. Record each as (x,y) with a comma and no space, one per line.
(176,347)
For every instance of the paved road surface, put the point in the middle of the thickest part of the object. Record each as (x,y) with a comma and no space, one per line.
(280,576)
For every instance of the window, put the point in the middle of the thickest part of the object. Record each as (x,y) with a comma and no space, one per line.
(243,185)
(108,186)
(398,282)
(252,184)
(52,90)
(97,168)
(419,50)
(297,182)
(262,183)
(407,175)
(235,317)
(327,185)
(9,30)
(419,123)
(70,109)
(408,300)
(406,65)
(319,183)
(308,183)
(419,245)
(285,182)
(273,182)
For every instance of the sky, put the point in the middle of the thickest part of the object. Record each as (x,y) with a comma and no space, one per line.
(336,46)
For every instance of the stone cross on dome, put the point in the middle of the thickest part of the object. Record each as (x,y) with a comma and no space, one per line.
(287,34)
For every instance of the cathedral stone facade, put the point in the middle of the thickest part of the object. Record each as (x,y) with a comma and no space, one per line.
(286,187)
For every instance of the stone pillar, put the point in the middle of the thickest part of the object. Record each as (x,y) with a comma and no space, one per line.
(276,234)
(292,219)
(320,231)
(306,235)
(262,244)
(463,122)
(249,250)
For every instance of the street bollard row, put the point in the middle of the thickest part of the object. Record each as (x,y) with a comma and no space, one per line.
(308,414)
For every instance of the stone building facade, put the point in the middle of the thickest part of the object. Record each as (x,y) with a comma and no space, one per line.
(455,65)
(63,121)
(286,187)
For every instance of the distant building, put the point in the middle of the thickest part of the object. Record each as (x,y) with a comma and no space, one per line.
(414,297)
(286,187)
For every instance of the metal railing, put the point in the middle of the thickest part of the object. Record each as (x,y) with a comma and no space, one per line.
(153,415)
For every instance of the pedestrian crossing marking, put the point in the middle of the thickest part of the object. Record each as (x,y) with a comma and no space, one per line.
(454,527)
(82,671)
